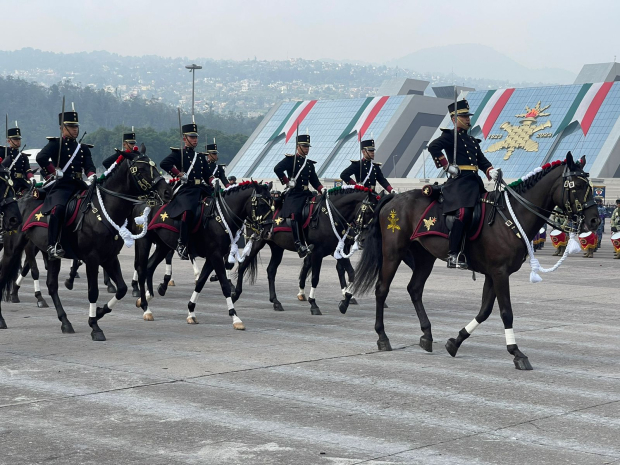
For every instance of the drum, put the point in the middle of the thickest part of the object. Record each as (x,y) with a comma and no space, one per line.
(588,240)
(543,234)
(558,238)
(615,240)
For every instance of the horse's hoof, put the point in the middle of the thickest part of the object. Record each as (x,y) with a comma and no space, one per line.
(171,283)
(139,302)
(191,320)
(69,284)
(15,298)
(239,325)
(315,311)
(384,346)
(353,301)
(97,336)
(42,303)
(2,324)
(426,343)
(385,305)
(135,293)
(343,307)
(277,306)
(161,289)
(522,363)
(67,328)
(451,347)
(148,316)
(301,297)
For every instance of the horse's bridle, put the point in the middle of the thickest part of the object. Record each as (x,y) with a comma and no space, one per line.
(6,197)
(257,223)
(152,198)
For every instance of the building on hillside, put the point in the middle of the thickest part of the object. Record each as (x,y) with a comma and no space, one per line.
(523,128)
(400,119)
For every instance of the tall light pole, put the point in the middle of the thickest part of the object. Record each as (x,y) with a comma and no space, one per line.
(192,69)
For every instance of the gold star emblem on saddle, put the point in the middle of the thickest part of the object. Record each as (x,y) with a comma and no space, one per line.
(426,191)
(279,220)
(164,216)
(428,224)
(393,219)
(38,216)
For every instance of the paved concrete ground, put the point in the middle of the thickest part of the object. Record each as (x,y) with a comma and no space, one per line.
(303,389)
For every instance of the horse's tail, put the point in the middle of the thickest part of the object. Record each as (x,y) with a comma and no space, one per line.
(251,272)
(9,270)
(369,266)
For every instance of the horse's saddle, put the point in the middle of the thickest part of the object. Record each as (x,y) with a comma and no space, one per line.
(205,210)
(36,218)
(434,223)
(309,213)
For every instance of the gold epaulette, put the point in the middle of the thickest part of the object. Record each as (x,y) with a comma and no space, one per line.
(377,163)
(52,138)
(289,154)
(175,149)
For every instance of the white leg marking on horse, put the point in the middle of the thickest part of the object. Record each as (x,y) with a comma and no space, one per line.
(510,337)
(112,302)
(92,311)
(227,274)
(301,291)
(37,287)
(135,275)
(19,279)
(148,296)
(169,270)
(312,292)
(194,297)
(473,324)
(196,269)
(236,319)
(230,304)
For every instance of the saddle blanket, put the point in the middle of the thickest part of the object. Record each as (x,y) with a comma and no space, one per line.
(38,219)
(284,225)
(162,220)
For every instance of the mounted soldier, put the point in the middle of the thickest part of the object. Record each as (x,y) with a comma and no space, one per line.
(62,160)
(296,171)
(217,171)
(16,162)
(129,145)
(367,172)
(194,183)
(462,190)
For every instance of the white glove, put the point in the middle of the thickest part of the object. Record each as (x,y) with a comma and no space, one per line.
(59,174)
(324,190)
(454,170)
(92,178)
(394,192)
(494,174)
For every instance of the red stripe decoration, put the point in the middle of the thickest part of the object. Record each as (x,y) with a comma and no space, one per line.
(299,119)
(495,112)
(594,107)
(371,116)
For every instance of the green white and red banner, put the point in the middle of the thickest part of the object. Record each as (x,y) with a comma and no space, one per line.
(490,108)
(294,118)
(585,107)
(364,117)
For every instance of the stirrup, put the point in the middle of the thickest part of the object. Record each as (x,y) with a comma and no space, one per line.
(182,251)
(302,249)
(55,252)
(461,261)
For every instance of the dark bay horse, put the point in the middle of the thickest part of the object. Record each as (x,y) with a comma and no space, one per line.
(10,221)
(350,208)
(97,241)
(497,252)
(246,203)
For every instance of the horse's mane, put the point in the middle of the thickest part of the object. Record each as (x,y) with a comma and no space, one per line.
(114,173)
(241,187)
(523,184)
(348,190)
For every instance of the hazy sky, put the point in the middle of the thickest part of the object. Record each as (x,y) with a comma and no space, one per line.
(544,33)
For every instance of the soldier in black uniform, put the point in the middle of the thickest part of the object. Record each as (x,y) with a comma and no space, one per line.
(129,146)
(462,190)
(232,180)
(191,167)
(74,158)
(299,172)
(21,174)
(366,171)
(217,171)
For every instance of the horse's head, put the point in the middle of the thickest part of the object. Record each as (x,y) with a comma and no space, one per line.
(261,205)
(365,215)
(10,216)
(146,179)
(576,195)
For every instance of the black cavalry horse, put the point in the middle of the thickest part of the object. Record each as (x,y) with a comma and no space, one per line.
(351,208)
(94,240)
(224,214)
(497,252)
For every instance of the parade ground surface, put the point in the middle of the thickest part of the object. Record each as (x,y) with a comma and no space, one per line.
(300,389)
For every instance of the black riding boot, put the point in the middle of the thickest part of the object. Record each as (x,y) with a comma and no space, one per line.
(183,236)
(54,249)
(456,257)
(302,250)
